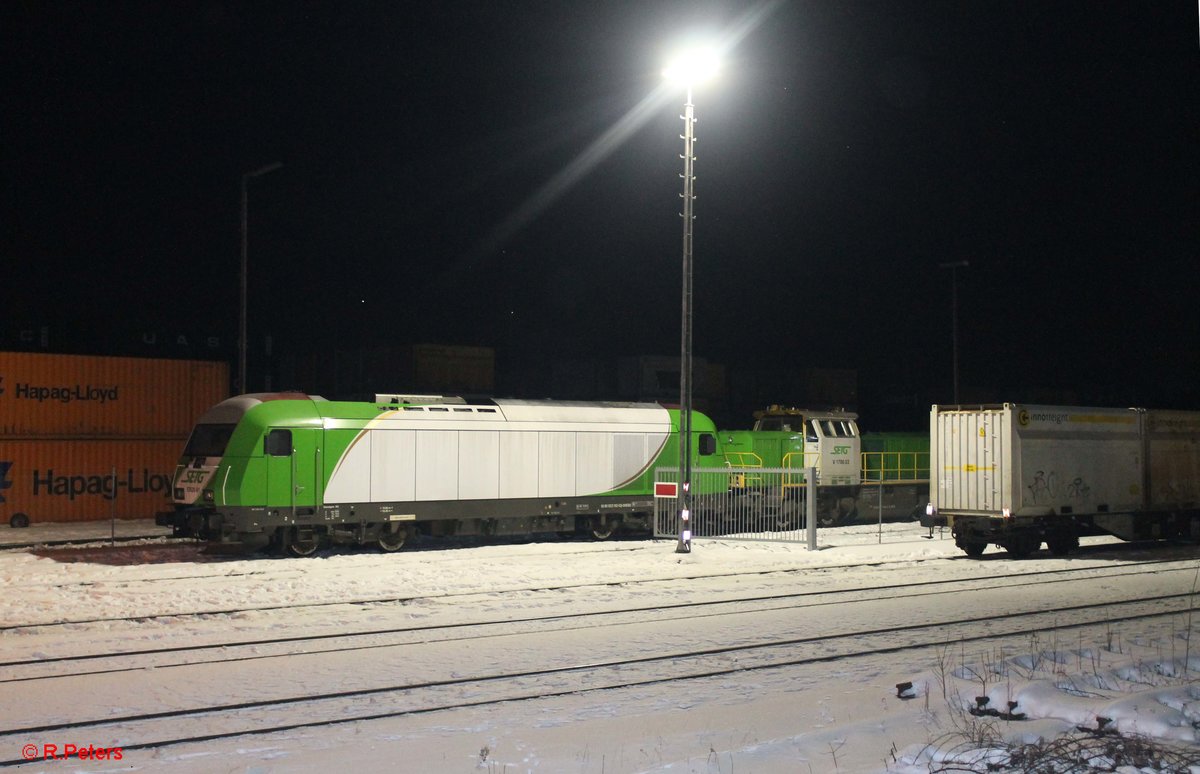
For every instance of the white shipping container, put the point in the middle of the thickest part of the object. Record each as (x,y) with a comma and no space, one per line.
(1037,460)
(1017,476)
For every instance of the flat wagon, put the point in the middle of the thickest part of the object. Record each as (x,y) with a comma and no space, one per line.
(1019,475)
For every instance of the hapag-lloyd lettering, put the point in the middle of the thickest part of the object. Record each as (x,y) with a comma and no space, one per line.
(72,486)
(79,392)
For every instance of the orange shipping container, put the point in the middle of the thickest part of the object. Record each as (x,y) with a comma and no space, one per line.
(79,396)
(86,480)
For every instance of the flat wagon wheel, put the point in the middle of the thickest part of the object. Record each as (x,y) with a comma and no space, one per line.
(302,543)
(974,550)
(392,537)
(1022,546)
(1061,545)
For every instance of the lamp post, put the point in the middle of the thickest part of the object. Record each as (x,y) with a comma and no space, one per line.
(246,178)
(954,266)
(691,68)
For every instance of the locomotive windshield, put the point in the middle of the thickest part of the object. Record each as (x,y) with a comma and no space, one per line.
(786,424)
(208,440)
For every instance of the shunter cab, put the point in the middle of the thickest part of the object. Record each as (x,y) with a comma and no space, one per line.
(799,438)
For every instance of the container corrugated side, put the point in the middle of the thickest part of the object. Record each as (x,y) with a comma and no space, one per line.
(78,396)
(1173,457)
(86,480)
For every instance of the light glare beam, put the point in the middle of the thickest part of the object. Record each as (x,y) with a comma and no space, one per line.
(554,188)
(612,138)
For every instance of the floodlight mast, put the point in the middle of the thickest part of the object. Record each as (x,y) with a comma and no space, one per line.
(685,345)
(691,69)
(246,178)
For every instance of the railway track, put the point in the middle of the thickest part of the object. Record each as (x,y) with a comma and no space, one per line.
(187,552)
(157,729)
(63,543)
(236,650)
(295,570)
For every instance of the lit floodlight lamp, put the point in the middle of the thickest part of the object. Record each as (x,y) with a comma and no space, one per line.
(694,66)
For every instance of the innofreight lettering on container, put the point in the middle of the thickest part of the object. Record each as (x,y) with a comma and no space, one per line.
(85,480)
(45,396)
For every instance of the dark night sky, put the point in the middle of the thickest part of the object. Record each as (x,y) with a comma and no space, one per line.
(847,149)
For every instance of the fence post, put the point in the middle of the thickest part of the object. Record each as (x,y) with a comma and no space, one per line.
(880,503)
(810,475)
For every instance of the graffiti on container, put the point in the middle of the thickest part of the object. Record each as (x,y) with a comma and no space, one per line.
(1078,489)
(1178,491)
(108,487)
(1042,488)
(1046,487)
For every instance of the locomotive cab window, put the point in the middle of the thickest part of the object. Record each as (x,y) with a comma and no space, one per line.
(708,444)
(208,440)
(279,443)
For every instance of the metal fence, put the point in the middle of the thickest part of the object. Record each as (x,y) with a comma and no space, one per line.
(736,503)
(772,504)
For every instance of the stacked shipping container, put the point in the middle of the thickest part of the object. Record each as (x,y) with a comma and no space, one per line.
(85,438)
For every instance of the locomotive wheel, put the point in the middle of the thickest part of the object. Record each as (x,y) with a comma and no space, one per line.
(298,545)
(789,516)
(829,512)
(392,537)
(603,527)
(830,518)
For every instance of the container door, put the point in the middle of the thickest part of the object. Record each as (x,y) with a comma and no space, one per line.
(970,449)
(293,457)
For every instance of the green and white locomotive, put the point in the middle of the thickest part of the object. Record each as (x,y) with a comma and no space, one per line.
(292,471)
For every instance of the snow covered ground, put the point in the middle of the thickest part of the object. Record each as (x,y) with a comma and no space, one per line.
(592,601)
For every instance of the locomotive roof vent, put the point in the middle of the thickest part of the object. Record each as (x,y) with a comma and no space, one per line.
(386,397)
